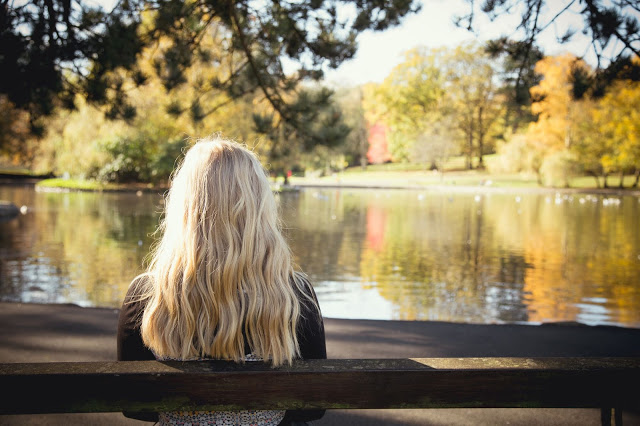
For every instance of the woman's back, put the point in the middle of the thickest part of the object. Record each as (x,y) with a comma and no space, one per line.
(221,283)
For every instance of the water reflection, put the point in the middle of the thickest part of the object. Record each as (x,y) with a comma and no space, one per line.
(495,257)
(74,247)
(464,257)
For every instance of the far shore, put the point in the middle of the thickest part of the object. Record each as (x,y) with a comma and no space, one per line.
(395,181)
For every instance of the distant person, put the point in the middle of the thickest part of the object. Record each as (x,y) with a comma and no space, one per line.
(221,282)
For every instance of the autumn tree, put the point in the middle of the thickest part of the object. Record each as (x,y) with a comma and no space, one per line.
(440,97)
(473,96)
(558,115)
(14,132)
(436,144)
(52,50)
(85,143)
(554,105)
(610,139)
(410,98)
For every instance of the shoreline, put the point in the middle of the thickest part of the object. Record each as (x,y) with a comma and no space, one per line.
(560,323)
(477,188)
(302,183)
(144,188)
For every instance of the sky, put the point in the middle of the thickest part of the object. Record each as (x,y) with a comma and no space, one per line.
(379,52)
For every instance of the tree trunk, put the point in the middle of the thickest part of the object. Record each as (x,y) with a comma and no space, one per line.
(637,181)
(364,146)
(480,139)
(621,179)
(595,176)
(470,146)
(604,179)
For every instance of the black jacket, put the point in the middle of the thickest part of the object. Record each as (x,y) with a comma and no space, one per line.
(310,333)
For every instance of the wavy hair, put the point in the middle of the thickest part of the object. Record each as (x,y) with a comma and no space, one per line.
(222,275)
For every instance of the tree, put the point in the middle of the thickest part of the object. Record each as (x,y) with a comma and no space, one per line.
(472,92)
(613,139)
(356,144)
(555,106)
(53,50)
(318,122)
(436,144)
(516,80)
(432,90)
(83,143)
(14,131)
(607,24)
(410,96)
(556,132)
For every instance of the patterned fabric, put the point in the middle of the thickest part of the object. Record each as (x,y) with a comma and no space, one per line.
(224,418)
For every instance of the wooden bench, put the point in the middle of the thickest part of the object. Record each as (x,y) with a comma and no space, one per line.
(611,384)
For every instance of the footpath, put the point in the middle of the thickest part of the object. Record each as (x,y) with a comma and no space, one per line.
(59,333)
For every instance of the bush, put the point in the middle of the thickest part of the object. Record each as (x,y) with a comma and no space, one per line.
(139,160)
(517,156)
(165,161)
(557,168)
(130,161)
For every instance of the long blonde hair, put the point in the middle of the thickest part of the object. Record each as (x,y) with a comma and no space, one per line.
(222,271)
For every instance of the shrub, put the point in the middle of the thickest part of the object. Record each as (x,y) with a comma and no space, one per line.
(557,168)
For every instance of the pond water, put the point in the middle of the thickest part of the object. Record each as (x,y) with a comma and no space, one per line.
(473,257)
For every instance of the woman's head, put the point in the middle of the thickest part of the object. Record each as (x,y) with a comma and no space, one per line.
(222,266)
(220,194)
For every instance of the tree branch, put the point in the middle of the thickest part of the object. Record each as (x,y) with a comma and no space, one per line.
(234,19)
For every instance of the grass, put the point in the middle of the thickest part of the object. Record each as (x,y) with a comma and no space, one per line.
(399,178)
(14,170)
(415,178)
(612,182)
(412,175)
(74,184)
(455,174)
(92,185)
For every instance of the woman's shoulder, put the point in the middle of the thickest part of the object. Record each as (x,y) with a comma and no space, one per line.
(303,284)
(133,304)
(139,288)
(301,277)
(306,296)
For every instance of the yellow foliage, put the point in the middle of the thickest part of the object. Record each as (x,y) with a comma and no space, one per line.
(554,105)
(617,119)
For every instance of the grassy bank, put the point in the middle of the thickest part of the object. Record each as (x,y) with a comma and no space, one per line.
(477,178)
(59,184)
(417,179)
(92,185)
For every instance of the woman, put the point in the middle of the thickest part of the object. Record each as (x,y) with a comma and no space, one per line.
(221,282)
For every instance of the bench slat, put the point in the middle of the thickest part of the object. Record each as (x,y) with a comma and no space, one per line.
(75,387)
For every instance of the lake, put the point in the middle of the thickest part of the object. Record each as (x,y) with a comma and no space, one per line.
(473,256)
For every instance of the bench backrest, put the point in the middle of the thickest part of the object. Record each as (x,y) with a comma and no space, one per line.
(74,387)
